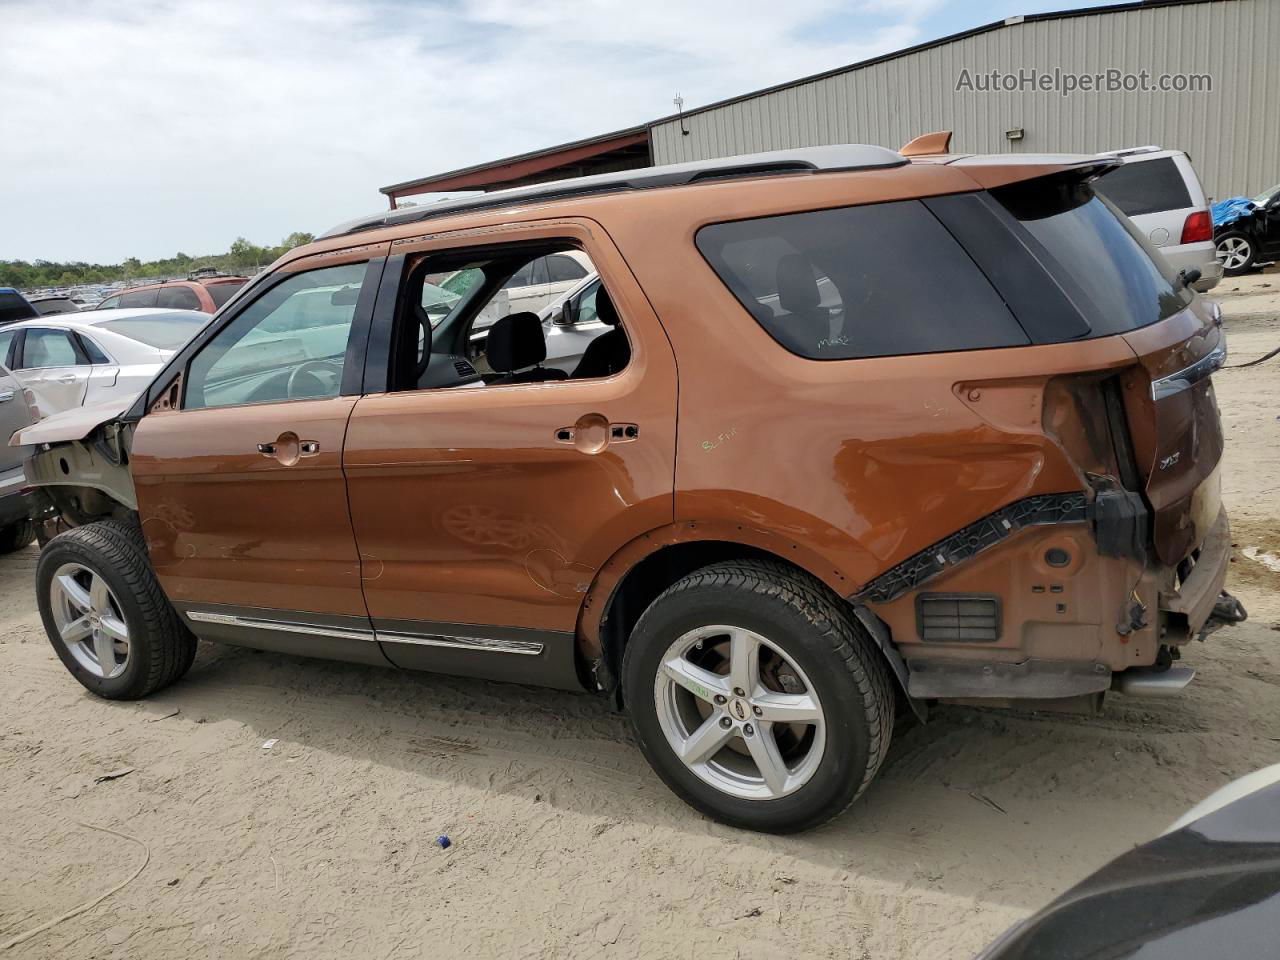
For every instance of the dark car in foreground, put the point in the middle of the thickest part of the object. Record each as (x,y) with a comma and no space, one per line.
(1208,887)
(14,307)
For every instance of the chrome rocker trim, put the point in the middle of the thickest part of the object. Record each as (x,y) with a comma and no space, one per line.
(476,644)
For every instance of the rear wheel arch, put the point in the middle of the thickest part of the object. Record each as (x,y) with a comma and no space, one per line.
(640,572)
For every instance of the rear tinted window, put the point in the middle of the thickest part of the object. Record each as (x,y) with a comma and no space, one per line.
(178,298)
(1096,253)
(14,307)
(168,331)
(222,292)
(1147,186)
(139,298)
(868,281)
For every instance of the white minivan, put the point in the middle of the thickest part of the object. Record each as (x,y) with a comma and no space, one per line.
(1159,191)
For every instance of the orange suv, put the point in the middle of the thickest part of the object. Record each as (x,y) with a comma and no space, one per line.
(204,293)
(853,433)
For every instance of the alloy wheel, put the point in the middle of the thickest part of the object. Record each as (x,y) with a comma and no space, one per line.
(89,620)
(1234,252)
(739,712)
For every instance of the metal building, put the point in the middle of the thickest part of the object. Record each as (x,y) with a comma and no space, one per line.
(1229,123)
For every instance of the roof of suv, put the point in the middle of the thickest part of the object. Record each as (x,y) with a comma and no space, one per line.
(982,171)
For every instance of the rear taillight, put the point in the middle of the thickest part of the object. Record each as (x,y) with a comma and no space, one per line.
(1198,228)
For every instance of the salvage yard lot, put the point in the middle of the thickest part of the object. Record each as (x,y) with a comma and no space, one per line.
(565,844)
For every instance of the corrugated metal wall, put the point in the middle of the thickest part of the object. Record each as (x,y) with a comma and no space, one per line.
(1232,133)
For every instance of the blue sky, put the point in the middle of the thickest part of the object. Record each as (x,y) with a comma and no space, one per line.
(144,127)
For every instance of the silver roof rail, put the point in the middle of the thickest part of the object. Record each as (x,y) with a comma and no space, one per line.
(840,157)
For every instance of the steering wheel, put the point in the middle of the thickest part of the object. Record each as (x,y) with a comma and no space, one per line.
(322,375)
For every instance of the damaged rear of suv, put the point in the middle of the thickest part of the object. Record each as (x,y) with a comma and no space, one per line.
(858,432)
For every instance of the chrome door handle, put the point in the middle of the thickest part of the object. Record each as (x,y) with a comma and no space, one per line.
(309,448)
(283,449)
(267,449)
(6,396)
(67,378)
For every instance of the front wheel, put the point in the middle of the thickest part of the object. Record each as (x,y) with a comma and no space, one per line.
(1237,253)
(105,614)
(756,697)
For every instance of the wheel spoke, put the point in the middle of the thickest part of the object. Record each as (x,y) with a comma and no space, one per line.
(77,594)
(114,628)
(705,741)
(744,661)
(703,684)
(105,650)
(787,708)
(99,596)
(76,630)
(764,751)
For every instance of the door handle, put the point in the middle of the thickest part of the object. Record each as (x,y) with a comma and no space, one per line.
(288,449)
(593,433)
(6,396)
(67,378)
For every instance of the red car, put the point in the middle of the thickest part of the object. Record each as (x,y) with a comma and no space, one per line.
(204,294)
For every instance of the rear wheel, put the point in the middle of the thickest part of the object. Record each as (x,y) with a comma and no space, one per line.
(105,614)
(1237,253)
(756,697)
(16,536)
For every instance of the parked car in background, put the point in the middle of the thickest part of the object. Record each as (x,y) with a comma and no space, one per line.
(14,306)
(1159,191)
(47,306)
(759,517)
(1209,886)
(71,360)
(206,294)
(1247,231)
(16,528)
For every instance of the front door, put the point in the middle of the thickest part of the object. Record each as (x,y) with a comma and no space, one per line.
(241,490)
(483,511)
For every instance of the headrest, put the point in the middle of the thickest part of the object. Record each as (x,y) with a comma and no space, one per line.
(606,312)
(516,342)
(797,287)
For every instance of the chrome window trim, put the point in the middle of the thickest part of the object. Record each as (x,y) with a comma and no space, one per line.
(1189,376)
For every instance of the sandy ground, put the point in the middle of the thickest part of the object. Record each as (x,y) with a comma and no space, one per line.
(564,844)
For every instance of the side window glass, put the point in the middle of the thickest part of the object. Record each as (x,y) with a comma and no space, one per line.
(142,298)
(48,348)
(6,344)
(587,305)
(520,278)
(178,298)
(288,344)
(109,304)
(93,351)
(538,272)
(561,267)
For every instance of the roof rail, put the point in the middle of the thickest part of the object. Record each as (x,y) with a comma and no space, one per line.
(842,157)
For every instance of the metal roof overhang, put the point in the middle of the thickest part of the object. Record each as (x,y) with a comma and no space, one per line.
(620,150)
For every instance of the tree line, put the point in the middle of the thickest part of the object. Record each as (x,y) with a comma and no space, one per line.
(243,256)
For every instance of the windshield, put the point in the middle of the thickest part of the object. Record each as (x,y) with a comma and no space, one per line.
(165,331)
(1266,196)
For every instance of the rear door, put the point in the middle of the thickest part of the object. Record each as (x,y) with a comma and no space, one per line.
(54,367)
(241,490)
(483,512)
(14,415)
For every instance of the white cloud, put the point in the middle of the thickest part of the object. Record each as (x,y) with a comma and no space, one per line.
(136,128)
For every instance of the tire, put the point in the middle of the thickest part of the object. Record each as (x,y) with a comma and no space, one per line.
(813,657)
(16,536)
(108,559)
(1238,248)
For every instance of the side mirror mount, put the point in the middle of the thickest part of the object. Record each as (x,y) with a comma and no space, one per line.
(567,315)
